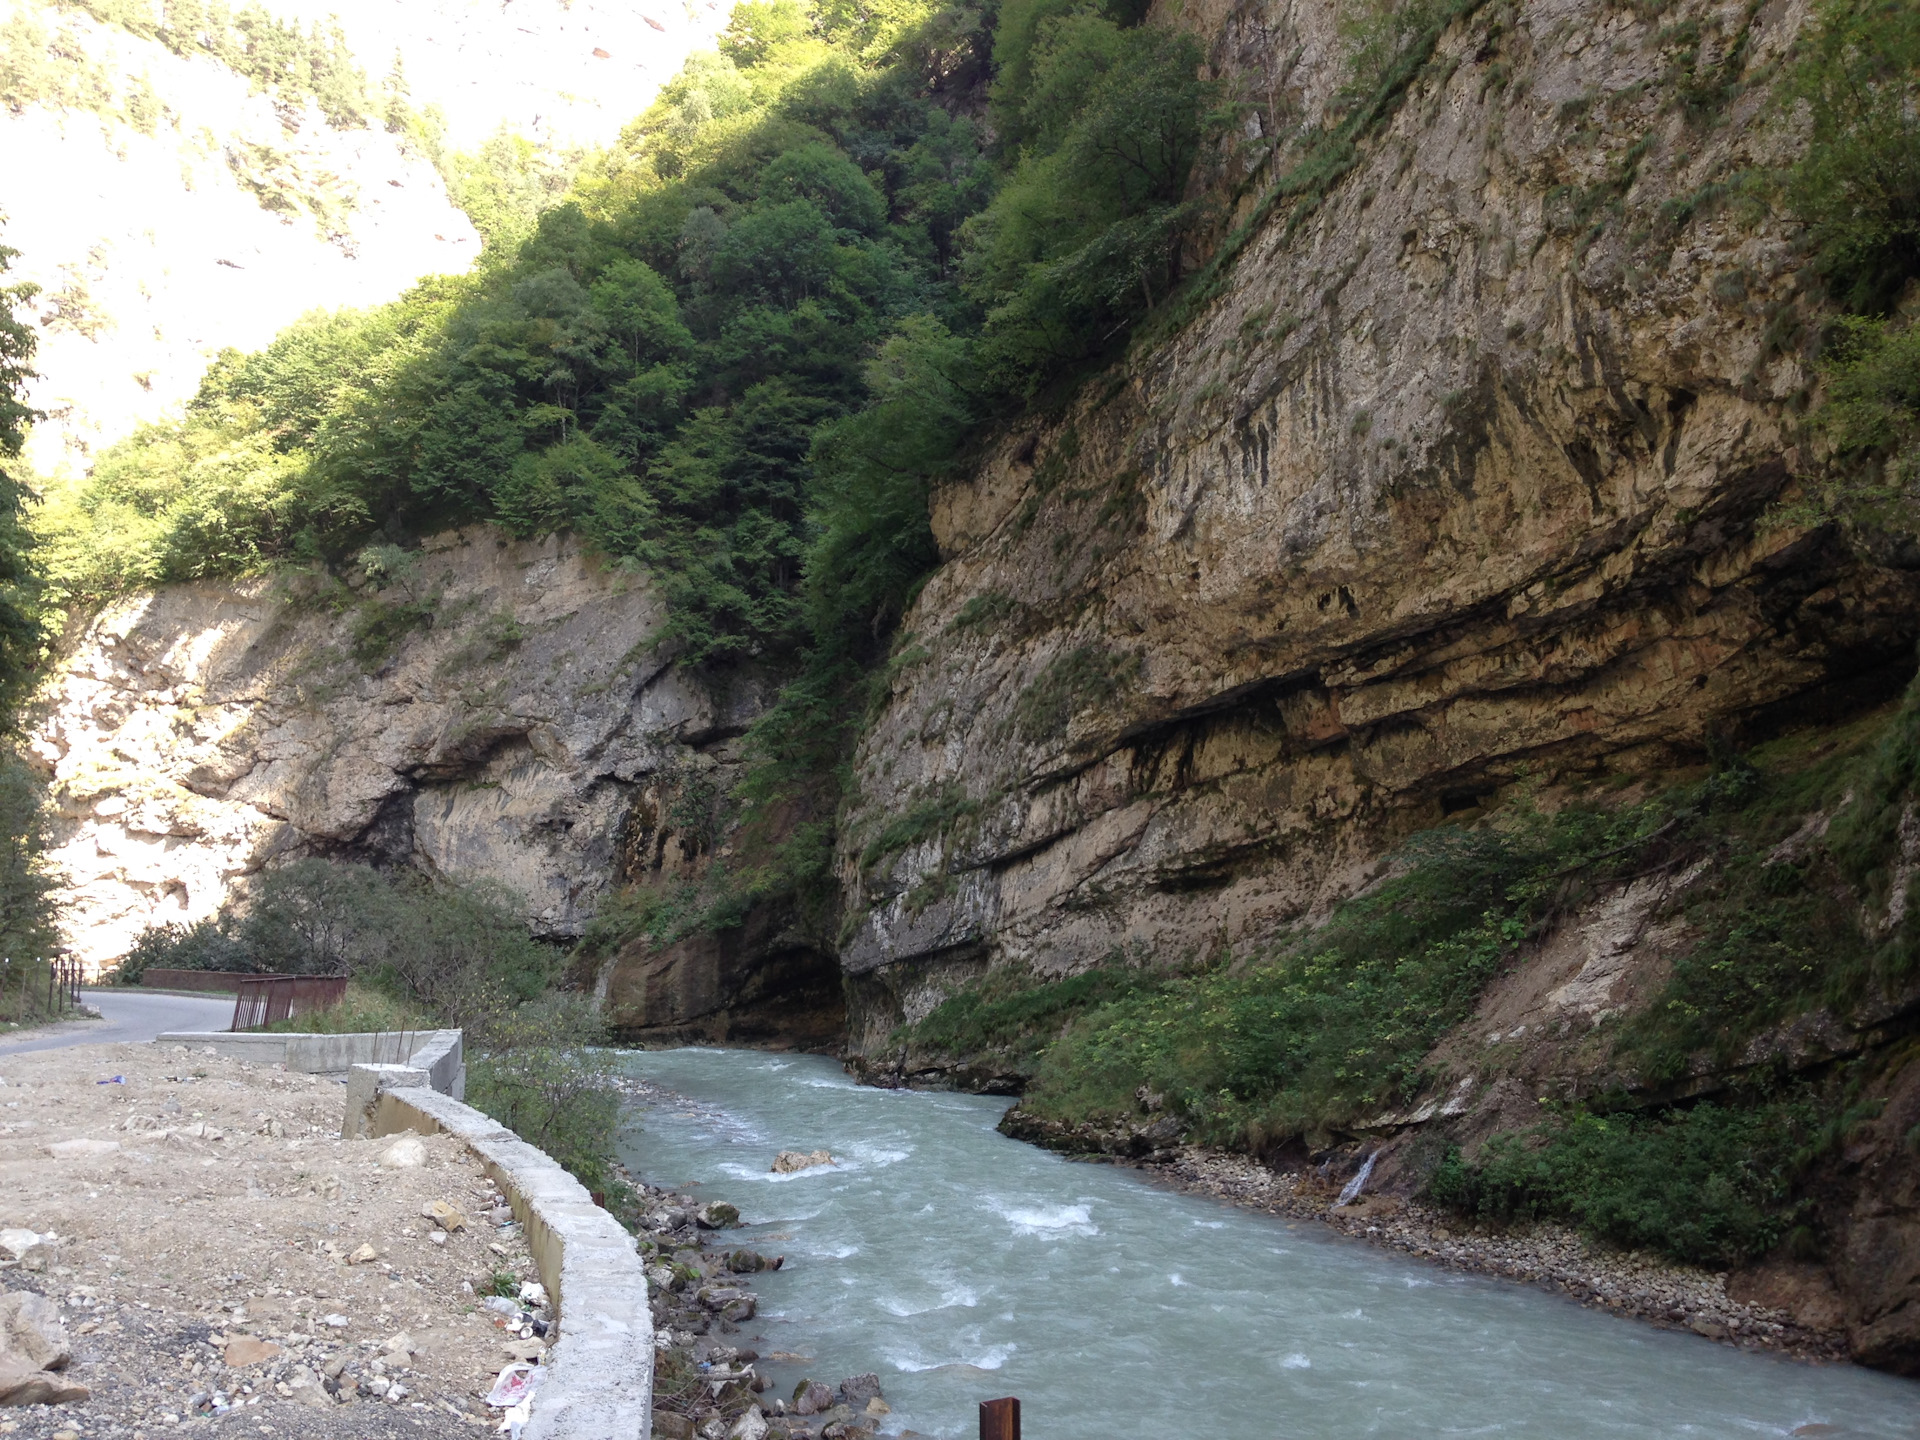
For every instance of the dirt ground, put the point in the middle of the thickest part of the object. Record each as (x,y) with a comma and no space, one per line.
(229,1210)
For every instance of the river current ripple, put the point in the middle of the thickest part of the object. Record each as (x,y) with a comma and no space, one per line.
(961,1265)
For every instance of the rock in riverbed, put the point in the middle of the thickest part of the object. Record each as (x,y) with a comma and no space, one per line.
(789,1161)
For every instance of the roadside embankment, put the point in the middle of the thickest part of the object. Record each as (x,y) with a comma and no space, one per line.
(1631,1284)
(213,1244)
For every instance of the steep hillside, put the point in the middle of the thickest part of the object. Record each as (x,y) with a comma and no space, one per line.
(178,185)
(1471,484)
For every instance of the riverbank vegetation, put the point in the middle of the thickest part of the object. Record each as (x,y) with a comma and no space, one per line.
(1788,853)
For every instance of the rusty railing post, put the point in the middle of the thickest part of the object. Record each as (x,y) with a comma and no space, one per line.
(1000,1419)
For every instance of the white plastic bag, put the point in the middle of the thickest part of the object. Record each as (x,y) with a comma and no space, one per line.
(514,1385)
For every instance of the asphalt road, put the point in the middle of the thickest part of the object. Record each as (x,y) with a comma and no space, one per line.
(128,1016)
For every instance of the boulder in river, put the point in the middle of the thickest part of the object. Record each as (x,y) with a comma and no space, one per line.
(810,1397)
(788,1161)
(717,1215)
(857,1390)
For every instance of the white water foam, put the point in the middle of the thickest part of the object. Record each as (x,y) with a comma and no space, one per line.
(1046,1219)
(1296,1362)
(960,1297)
(913,1361)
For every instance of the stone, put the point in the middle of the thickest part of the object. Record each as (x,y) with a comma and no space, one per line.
(364,1255)
(525,1349)
(409,1152)
(787,1162)
(1706,1325)
(249,1350)
(437,1237)
(857,1390)
(308,1389)
(664,1278)
(448,1217)
(877,1406)
(32,1332)
(752,1425)
(398,1347)
(335,1321)
(22,1384)
(717,1215)
(18,1244)
(810,1397)
(749,1262)
(81,1149)
(669,1426)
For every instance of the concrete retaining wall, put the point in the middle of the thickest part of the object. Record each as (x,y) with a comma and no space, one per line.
(440,1052)
(599,1381)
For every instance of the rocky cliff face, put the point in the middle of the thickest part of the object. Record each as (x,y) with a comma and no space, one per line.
(1463,475)
(492,716)
(1467,476)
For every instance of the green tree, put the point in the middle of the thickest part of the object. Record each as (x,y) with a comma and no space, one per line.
(1858,185)
(19,581)
(397,109)
(1084,235)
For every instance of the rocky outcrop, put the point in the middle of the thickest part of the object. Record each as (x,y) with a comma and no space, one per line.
(489,717)
(1464,474)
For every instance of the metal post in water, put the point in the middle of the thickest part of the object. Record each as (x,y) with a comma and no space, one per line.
(1000,1419)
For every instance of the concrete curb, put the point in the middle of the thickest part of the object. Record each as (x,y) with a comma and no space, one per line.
(599,1380)
(599,1371)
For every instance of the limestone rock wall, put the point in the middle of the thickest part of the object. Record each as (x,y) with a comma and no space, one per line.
(492,717)
(1463,476)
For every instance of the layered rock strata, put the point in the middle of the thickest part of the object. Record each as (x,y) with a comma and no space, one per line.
(1468,474)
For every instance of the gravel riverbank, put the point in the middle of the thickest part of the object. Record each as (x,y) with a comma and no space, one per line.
(1633,1285)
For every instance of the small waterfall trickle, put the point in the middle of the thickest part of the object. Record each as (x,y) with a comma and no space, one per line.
(1353,1187)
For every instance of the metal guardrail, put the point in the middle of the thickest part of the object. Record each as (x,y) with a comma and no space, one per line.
(63,985)
(269,998)
(56,990)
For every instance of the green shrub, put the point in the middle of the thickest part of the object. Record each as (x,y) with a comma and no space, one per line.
(537,1072)
(457,952)
(1858,185)
(1711,1185)
(203,945)
(1014,1016)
